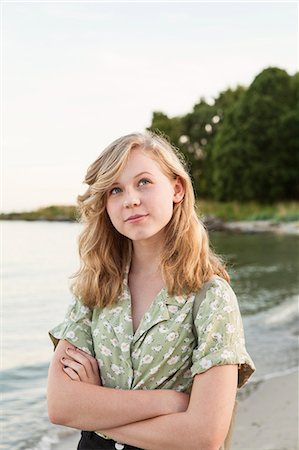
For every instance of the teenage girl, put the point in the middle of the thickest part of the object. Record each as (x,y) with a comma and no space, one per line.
(152,350)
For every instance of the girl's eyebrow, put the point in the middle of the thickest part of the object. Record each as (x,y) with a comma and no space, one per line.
(138,175)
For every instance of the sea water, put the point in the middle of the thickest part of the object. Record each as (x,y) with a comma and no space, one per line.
(38,259)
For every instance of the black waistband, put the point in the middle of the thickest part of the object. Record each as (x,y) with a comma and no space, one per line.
(92,441)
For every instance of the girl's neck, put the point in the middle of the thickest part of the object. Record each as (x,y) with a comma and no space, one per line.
(145,259)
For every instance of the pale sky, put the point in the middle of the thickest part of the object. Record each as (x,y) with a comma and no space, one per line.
(77,75)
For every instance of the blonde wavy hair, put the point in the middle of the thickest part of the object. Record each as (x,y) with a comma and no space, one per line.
(187,260)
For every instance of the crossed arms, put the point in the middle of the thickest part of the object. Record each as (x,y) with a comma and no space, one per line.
(151,419)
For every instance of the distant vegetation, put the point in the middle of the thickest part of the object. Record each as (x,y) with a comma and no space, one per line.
(227,211)
(245,146)
(49,213)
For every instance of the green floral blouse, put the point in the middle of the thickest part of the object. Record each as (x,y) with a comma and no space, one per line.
(170,345)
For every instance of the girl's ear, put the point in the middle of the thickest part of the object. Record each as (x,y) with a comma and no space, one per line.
(179,190)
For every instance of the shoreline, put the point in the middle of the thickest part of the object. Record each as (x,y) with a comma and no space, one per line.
(214,224)
(267,416)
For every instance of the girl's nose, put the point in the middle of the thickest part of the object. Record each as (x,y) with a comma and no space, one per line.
(133,201)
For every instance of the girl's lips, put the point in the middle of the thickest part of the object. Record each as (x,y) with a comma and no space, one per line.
(136,219)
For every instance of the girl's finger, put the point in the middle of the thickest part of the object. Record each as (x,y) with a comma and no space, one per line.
(82,358)
(77,367)
(71,373)
(94,363)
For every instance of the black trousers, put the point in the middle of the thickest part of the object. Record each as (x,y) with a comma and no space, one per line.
(92,441)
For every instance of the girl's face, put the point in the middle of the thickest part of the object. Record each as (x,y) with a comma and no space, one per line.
(140,202)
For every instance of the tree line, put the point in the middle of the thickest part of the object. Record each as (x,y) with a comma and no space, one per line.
(245,145)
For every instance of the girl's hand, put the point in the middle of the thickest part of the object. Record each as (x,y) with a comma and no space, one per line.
(80,366)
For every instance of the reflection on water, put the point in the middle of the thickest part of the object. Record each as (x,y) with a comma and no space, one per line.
(264,268)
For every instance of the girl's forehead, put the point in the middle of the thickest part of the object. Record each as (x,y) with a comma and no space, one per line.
(141,160)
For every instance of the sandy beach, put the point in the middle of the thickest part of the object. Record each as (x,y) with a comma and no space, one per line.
(267,417)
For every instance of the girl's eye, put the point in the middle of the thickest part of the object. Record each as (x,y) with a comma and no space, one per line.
(114,191)
(144,181)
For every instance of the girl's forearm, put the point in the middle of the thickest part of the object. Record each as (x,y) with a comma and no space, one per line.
(175,431)
(89,407)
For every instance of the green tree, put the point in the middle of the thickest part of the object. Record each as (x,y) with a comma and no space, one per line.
(253,152)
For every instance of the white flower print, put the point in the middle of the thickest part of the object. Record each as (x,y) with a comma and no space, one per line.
(125,347)
(86,350)
(202,346)
(95,332)
(84,309)
(155,369)
(110,376)
(187,340)
(228,308)
(217,337)
(230,328)
(70,335)
(219,317)
(180,299)
(180,388)
(119,329)
(107,326)
(136,354)
(170,351)
(180,318)
(147,317)
(172,336)
(149,339)
(157,348)
(103,337)
(100,362)
(162,380)
(116,311)
(114,342)
(87,322)
(137,373)
(105,350)
(172,308)
(173,360)
(214,305)
(162,329)
(147,359)
(187,326)
(117,369)
(187,374)
(205,363)
(184,348)
(208,328)
(127,317)
(227,354)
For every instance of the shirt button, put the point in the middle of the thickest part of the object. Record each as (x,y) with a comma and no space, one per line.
(119,446)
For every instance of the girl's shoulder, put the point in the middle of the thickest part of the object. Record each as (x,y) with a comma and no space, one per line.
(215,291)
(215,284)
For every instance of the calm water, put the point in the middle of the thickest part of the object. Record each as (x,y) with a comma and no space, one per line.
(38,259)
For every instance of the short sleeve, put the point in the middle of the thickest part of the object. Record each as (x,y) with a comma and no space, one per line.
(220,332)
(76,327)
